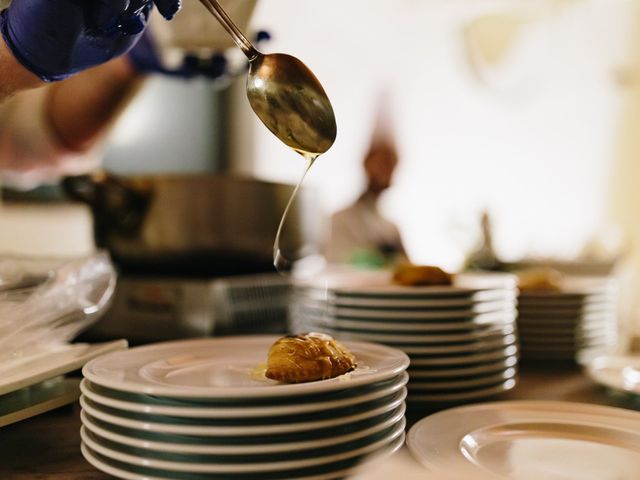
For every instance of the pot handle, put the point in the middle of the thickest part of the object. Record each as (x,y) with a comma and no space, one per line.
(115,202)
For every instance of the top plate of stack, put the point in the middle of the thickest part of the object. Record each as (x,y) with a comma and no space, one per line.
(363,287)
(229,367)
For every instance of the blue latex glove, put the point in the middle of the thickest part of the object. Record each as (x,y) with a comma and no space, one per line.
(57,38)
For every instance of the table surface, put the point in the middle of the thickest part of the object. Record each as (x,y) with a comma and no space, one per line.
(47,447)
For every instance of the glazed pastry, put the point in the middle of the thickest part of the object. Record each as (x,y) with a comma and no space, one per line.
(308,357)
(414,275)
(540,280)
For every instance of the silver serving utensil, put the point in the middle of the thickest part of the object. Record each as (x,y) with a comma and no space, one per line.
(284,94)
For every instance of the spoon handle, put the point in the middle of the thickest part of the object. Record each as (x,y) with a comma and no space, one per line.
(238,37)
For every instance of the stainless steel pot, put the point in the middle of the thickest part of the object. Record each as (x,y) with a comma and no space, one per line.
(196,225)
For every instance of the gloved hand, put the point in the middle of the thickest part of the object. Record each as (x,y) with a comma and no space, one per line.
(57,38)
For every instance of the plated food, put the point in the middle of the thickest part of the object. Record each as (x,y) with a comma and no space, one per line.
(421,275)
(195,409)
(308,357)
(540,280)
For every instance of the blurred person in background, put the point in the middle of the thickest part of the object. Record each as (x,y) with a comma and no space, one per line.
(67,69)
(360,235)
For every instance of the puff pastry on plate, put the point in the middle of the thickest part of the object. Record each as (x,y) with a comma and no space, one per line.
(308,357)
(420,275)
(540,280)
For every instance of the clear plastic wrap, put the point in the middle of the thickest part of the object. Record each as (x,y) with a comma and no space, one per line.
(47,302)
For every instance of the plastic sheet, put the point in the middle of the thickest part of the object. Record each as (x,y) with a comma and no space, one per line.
(47,302)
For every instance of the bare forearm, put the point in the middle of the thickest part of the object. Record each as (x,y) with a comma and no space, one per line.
(13,76)
(81,108)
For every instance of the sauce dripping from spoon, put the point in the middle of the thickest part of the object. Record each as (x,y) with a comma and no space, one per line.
(283,263)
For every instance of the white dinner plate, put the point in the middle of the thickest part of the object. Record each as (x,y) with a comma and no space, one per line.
(414,314)
(527,350)
(425,339)
(596,291)
(240,411)
(558,314)
(173,426)
(482,301)
(592,309)
(111,451)
(530,441)
(581,357)
(227,367)
(478,381)
(483,357)
(463,284)
(561,351)
(470,394)
(619,372)
(463,370)
(566,322)
(576,301)
(569,340)
(330,472)
(54,361)
(478,323)
(161,444)
(471,347)
(571,332)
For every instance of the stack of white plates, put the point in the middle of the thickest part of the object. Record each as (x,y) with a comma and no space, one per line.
(575,323)
(202,409)
(461,338)
(529,440)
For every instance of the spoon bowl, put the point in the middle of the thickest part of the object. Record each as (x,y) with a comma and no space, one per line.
(291,102)
(284,94)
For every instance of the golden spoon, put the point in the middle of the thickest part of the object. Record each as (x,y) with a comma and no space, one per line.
(284,94)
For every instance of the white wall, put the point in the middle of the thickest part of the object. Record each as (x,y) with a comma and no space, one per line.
(535,151)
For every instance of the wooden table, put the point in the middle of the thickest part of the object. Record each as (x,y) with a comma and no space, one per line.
(47,447)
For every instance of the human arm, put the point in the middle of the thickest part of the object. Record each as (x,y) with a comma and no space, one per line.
(81,109)
(50,40)
(13,76)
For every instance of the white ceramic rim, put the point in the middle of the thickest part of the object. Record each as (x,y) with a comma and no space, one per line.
(479,322)
(480,381)
(203,449)
(244,430)
(417,314)
(499,354)
(515,412)
(477,300)
(465,371)
(463,284)
(475,347)
(427,339)
(200,411)
(88,454)
(391,362)
(459,396)
(186,467)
